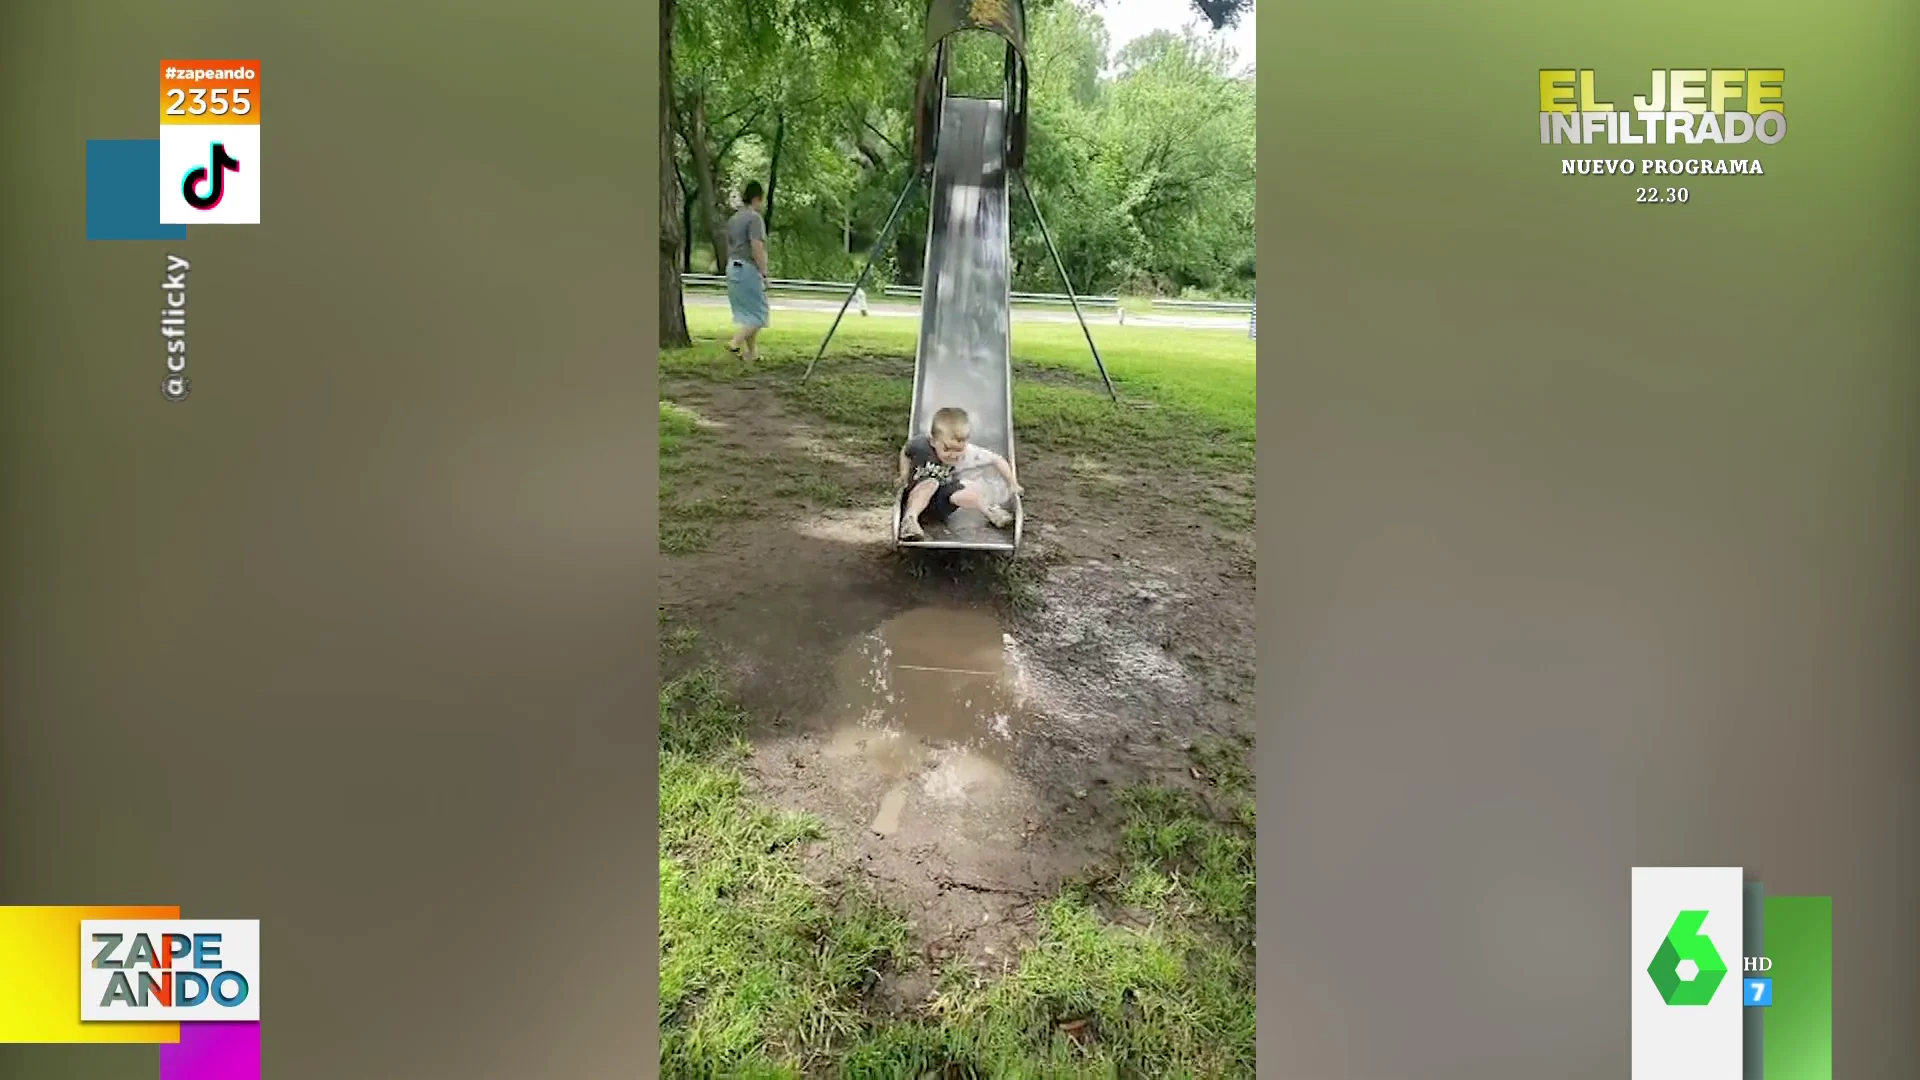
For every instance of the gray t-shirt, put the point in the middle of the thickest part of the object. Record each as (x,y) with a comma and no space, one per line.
(924,464)
(743,228)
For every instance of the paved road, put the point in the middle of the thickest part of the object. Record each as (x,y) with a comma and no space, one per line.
(1021,313)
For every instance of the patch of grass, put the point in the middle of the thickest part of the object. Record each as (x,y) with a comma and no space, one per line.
(698,718)
(676,639)
(1201,382)
(705,485)
(686,522)
(1012,583)
(1223,762)
(762,971)
(1072,420)
(1093,476)
(678,536)
(1089,999)
(676,424)
(1234,513)
(1015,583)
(815,489)
(1190,863)
(1212,369)
(1187,411)
(812,479)
(680,640)
(684,538)
(1092,998)
(1049,418)
(859,401)
(726,505)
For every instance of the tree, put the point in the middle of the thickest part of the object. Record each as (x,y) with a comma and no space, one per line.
(673,311)
(783,91)
(725,50)
(708,180)
(1146,176)
(1222,13)
(1185,129)
(1144,169)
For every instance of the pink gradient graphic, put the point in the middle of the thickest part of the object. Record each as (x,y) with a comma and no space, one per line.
(213,1051)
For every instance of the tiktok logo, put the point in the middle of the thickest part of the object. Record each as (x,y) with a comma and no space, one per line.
(214,178)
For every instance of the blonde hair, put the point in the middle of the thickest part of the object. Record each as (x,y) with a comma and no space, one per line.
(951,422)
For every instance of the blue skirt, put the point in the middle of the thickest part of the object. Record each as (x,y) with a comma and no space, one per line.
(747,295)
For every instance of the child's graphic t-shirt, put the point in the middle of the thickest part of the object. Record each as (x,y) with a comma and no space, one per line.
(926,465)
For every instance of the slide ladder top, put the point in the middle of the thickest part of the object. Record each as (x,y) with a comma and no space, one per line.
(1005,18)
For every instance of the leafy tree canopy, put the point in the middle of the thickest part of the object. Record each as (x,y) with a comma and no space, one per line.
(1143,158)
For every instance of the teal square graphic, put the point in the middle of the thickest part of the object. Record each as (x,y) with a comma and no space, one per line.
(123,196)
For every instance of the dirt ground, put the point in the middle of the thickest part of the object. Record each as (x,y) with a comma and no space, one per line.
(961,726)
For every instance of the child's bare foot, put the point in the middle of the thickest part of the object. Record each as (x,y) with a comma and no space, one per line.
(998,516)
(911,530)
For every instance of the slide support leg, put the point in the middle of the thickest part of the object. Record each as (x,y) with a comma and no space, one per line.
(886,233)
(1062,267)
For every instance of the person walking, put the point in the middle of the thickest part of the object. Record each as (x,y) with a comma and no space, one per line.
(747,272)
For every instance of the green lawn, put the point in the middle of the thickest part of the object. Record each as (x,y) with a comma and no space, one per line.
(1188,395)
(764,972)
(1191,365)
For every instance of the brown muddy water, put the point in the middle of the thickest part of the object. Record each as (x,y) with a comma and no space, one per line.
(929,704)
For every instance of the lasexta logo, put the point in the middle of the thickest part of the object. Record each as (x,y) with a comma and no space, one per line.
(215,179)
(1685,945)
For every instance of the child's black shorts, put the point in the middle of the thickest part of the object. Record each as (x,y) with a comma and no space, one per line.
(941,507)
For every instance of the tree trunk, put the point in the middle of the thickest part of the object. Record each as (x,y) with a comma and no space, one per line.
(686,222)
(673,311)
(909,248)
(705,184)
(773,167)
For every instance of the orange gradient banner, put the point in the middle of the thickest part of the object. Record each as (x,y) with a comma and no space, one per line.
(224,92)
(40,957)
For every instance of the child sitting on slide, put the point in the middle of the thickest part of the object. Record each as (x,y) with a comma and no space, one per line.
(941,470)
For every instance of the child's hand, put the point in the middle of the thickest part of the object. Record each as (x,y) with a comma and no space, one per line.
(1017,489)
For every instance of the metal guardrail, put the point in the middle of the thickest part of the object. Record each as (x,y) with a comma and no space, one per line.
(1022,297)
(837,288)
(715,281)
(1235,306)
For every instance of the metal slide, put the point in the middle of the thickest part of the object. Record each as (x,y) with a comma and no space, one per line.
(968,151)
(965,356)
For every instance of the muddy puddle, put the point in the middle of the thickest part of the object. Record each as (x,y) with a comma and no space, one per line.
(928,705)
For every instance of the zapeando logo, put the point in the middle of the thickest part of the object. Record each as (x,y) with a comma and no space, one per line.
(169,970)
(214,177)
(1683,945)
